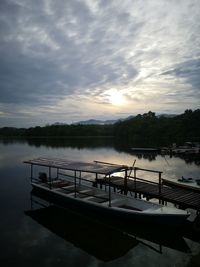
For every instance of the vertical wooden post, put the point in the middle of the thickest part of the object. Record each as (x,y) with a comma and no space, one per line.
(135,181)
(57,173)
(31,172)
(125,183)
(96,179)
(159,186)
(109,192)
(75,184)
(50,177)
(80,178)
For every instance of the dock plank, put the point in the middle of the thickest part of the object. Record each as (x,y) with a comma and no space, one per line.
(178,196)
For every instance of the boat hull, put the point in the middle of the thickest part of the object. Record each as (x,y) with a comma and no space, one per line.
(168,220)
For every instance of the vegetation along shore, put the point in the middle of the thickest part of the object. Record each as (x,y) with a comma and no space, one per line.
(147,127)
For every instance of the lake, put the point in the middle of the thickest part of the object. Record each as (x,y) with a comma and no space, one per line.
(55,237)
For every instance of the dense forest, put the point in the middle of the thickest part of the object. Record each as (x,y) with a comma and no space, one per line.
(147,129)
(161,130)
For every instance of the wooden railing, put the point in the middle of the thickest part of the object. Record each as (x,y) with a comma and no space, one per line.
(135,178)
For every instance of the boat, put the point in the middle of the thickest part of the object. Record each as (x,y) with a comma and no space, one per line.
(183,182)
(78,188)
(188,148)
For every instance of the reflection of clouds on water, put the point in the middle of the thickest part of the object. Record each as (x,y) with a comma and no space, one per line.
(49,250)
(177,168)
(37,246)
(144,256)
(147,156)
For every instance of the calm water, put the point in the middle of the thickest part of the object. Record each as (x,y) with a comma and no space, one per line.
(53,237)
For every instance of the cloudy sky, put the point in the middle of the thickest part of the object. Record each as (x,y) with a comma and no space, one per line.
(71,60)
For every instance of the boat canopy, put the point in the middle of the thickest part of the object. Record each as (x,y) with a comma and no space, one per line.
(89,167)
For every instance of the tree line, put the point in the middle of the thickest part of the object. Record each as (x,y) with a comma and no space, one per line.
(142,129)
(152,129)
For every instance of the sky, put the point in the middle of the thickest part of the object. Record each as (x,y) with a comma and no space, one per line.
(71,60)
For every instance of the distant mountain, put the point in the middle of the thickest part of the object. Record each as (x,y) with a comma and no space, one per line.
(102,122)
(167,115)
(107,122)
(96,122)
(59,123)
(126,119)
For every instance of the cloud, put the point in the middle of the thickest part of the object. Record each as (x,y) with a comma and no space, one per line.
(188,70)
(55,52)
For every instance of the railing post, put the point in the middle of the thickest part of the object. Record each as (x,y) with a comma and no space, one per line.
(75,184)
(50,177)
(80,178)
(96,179)
(159,185)
(109,192)
(31,172)
(160,182)
(135,181)
(125,183)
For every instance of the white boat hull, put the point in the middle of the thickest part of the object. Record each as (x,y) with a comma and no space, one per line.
(119,206)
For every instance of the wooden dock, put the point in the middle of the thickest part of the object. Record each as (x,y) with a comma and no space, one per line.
(181,198)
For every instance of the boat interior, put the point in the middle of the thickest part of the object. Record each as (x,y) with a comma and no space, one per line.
(99,196)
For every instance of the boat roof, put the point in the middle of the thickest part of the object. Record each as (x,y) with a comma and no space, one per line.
(90,167)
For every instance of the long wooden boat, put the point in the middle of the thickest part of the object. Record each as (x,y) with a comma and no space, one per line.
(186,183)
(74,188)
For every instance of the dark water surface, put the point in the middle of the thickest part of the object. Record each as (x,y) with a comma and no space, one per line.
(52,236)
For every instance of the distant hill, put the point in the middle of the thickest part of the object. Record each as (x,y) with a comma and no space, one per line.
(59,123)
(167,115)
(102,122)
(95,122)
(108,122)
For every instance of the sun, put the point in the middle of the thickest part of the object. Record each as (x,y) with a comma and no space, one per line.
(116,97)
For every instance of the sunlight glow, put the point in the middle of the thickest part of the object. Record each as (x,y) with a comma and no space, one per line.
(116,97)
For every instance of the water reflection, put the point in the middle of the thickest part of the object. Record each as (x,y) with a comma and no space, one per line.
(27,243)
(189,159)
(150,156)
(100,237)
(104,243)
(61,142)
(95,142)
